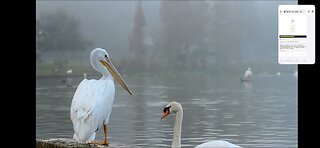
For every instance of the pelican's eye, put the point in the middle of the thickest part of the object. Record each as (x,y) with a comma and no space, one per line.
(106,56)
(166,109)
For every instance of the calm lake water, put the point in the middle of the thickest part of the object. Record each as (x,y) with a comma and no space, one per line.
(262,113)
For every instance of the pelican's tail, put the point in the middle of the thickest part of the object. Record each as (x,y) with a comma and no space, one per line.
(84,128)
(87,140)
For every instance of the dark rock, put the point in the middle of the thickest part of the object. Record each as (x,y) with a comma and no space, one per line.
(70,143)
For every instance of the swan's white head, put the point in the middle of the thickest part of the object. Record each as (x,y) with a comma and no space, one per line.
(172,107)
(101,62)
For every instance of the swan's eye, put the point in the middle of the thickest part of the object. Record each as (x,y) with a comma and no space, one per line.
(166,109)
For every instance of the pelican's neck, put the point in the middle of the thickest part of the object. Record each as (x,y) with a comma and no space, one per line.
(95,63)
(106,77)
(176,140)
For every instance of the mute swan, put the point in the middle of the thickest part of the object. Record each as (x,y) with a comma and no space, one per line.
(175,107)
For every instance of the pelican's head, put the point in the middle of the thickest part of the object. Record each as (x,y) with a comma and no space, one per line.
(101,62)
(172,107)
(249,68)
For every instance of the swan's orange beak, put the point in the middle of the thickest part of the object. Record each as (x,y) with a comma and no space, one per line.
(115,74)
(165,114)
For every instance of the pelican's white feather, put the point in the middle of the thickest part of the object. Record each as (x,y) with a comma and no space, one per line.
(92,102)
(91,106)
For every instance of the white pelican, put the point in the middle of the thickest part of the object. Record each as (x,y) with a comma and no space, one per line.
(175,107)
(92,102)
(247,75)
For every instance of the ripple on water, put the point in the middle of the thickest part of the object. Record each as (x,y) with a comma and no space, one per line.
(261,117)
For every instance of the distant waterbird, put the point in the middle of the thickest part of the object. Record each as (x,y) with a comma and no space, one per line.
(295,74)
(84,75)
(69,71)
(247,76)
(68,79)
(92,101)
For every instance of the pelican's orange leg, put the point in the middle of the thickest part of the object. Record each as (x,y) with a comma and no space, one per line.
(104,142)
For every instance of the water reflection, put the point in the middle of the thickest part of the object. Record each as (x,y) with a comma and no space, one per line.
(263,113)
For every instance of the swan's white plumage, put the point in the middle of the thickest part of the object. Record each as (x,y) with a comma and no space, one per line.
(217,144)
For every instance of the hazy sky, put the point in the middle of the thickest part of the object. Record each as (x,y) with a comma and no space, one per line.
(108,23)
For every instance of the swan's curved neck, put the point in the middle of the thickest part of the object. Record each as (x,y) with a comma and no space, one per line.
(176,140)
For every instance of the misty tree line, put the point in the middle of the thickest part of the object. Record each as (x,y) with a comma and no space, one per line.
(59,31)
(182,40)
(192,34)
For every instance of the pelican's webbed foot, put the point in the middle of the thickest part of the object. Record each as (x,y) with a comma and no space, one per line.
(100,143)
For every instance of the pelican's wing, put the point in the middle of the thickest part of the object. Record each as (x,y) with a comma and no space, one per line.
(83,111)
(217,144)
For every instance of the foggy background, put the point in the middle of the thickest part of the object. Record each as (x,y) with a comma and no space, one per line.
(219,36)
(193,52)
